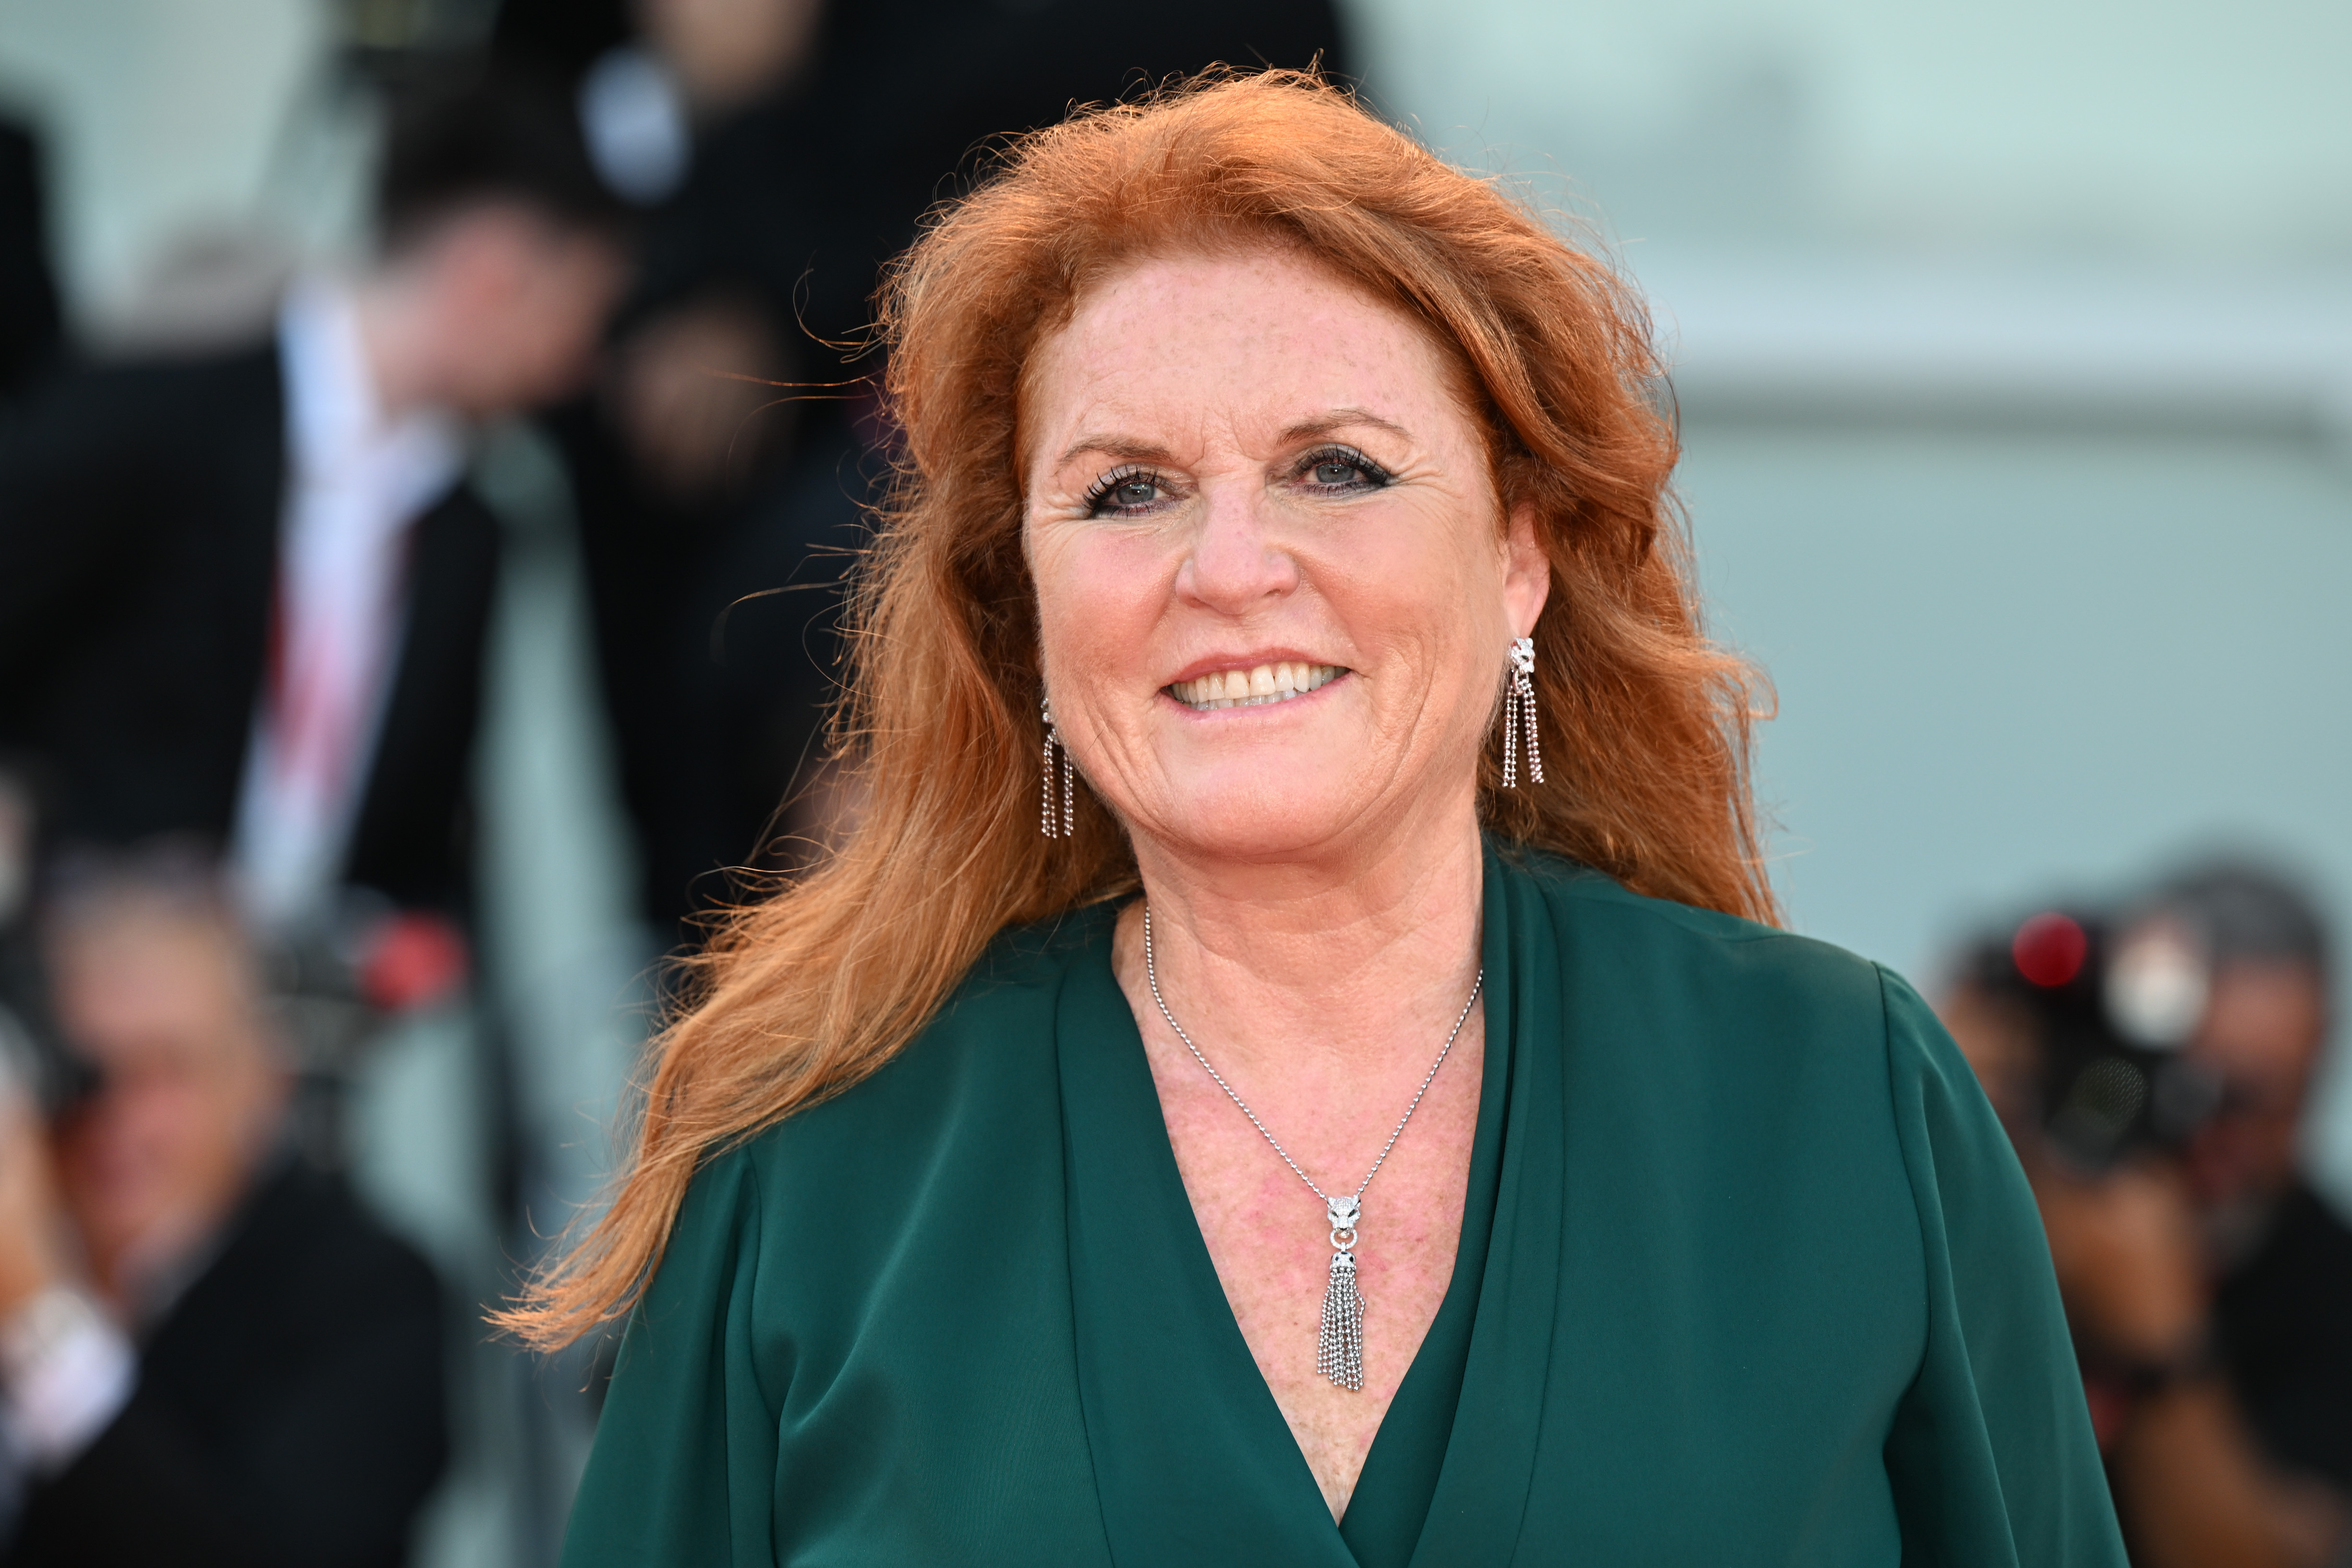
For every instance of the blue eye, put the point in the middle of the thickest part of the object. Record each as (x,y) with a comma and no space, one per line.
(1125,492)
(1341,468)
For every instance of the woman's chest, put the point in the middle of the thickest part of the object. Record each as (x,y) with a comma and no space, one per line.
(1268,1234)
(1010,1392)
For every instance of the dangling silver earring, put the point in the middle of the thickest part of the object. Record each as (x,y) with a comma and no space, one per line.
(1068,826)
(1520,706)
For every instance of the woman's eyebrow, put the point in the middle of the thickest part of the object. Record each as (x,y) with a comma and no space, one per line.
(1129,450)
(1124,449)
(1341,419)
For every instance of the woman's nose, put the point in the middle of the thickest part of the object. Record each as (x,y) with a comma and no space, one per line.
(1235,561)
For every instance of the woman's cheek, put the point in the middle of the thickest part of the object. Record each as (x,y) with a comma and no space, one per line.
(1088,614)
(1117,582)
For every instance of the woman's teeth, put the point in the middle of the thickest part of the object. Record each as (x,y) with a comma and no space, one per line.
(1251,687)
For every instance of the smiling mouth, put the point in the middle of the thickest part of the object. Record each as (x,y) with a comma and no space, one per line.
(1253,688)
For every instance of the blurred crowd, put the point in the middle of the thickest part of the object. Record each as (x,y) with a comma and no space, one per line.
(245,595)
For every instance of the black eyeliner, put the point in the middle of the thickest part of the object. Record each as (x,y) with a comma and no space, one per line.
(1099,491)
(1375,476)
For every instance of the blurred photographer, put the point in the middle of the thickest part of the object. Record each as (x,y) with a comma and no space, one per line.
(2153,1069)
(208,1352)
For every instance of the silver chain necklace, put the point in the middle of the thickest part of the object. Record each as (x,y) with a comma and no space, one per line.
(1339,1344)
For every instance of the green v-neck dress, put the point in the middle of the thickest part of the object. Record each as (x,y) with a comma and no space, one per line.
(1747,1275)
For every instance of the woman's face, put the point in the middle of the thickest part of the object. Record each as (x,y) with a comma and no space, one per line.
(1274,593)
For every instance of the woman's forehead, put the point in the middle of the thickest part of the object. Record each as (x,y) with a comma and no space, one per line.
(1184,295)
(1270,336)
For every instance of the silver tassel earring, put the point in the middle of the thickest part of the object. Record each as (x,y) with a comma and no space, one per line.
(1520,706)
(1068,826)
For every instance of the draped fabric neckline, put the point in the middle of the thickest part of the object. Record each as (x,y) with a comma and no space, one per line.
(1192,1454)
(1747,1273)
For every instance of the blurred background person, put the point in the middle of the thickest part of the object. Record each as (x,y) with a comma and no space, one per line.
(209,1352)
(784,150)
(2153,1068)
(243,597)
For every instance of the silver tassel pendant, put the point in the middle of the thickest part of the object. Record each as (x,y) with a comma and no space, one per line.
(1340,1347)
(1520,709)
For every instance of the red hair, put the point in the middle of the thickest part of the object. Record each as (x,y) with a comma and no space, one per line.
(1646,726)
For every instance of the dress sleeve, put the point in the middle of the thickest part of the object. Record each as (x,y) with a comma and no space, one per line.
(1990,1455)
(683,1471)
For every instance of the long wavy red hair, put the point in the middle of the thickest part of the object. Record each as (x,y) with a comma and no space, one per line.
(1646,733)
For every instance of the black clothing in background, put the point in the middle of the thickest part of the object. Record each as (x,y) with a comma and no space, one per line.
(718,641)
(139,521)
(2283,1320)
(804,196)
(557,39)
(716,683)
(32,330)
(288,1408)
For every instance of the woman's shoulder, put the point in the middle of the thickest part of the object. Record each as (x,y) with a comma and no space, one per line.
(1591,910)
(938,1168)
(1729,989)
(983,1071)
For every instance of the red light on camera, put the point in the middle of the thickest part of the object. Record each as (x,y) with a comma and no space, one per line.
(2049,949)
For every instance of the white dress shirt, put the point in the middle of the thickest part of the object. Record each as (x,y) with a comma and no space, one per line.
(66,1372)
(357,480)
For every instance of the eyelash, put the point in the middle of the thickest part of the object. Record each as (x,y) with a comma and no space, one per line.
(1126,473)
(1375,477)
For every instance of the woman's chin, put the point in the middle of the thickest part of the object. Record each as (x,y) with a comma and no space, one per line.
(1261,820)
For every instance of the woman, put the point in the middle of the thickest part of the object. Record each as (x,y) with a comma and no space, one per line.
(1347,1127)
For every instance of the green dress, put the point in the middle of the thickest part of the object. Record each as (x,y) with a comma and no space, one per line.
(1747,1275)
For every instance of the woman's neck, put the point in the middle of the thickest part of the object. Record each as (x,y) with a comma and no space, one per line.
(1345,960)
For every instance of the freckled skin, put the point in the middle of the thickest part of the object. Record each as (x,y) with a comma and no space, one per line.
(1230,461)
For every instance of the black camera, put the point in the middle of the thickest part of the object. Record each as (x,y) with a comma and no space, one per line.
(2110,1005)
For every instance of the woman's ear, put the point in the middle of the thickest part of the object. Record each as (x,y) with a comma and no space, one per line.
(1527,571)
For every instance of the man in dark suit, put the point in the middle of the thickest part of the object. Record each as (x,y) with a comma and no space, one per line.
(232,1364)
(242,598)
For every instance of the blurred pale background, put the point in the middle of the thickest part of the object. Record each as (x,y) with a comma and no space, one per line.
(2014,348)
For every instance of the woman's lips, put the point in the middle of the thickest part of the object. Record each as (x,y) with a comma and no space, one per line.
(1276,682)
